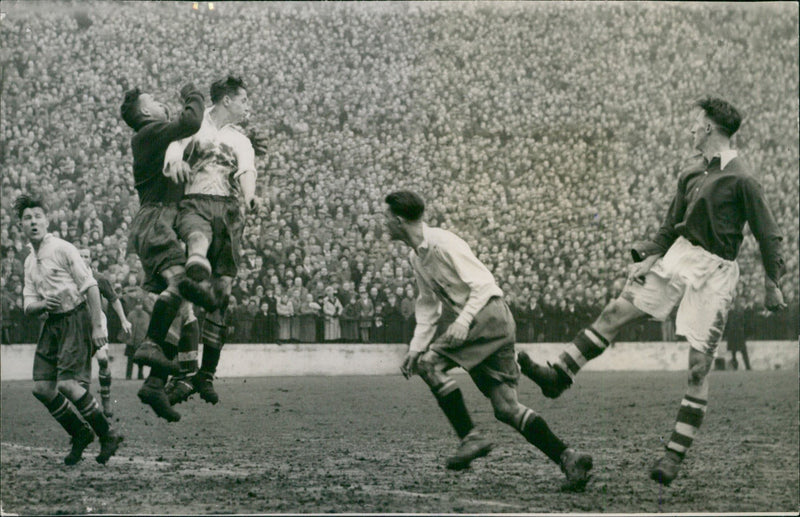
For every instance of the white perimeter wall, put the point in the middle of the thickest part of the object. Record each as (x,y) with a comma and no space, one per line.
(239,360)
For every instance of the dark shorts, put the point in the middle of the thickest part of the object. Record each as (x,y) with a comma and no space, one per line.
(64,350)
(488,352)
(153,238)
(219,218)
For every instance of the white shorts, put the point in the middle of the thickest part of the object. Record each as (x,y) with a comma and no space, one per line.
(701,282)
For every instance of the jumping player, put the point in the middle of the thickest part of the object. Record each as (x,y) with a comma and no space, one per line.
(153,236)
(107,292)
(691,263)
(480,340)
(60,285)
(222,169)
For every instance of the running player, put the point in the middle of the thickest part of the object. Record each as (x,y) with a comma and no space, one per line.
(222,169)
(153,236)
(480,340)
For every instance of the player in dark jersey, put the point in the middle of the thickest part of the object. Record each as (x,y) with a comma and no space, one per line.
(107,292)
(153,236)
(154,239)
(689,263)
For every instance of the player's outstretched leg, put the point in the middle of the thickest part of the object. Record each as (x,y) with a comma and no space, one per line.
(61,410)
(689,419)
(555,378)
(590,342)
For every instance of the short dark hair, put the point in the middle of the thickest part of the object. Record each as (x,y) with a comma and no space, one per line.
(722,113)
(408,205)
(25,201)
(228,86)
(130,109)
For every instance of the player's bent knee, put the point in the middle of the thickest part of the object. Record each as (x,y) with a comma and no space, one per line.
(69,388)
(429,368)
(506,413)
(43,392)
(425,364)
(618,312)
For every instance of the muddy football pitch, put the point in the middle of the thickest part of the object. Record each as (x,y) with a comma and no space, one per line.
(377,444)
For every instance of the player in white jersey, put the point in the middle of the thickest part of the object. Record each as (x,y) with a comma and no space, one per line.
(480,340)
(60,286)
(210,222)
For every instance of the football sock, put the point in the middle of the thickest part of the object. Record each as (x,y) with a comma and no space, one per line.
(170,350)
(63,412)
(535,430)
(174,331)
(91,412)
(690,417)
(213,340)
(187,346)
(587,345)
(104,376)
(164,311)
(450,399)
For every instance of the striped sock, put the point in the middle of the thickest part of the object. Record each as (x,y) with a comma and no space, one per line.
(213,340)
(587,345)
(187,346)
(104,376)
(174,332)
(690,417)
(62,411)
(450,399)
(534,428)
(91,412)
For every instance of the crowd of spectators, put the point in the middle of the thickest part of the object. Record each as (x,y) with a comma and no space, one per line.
(547,135)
